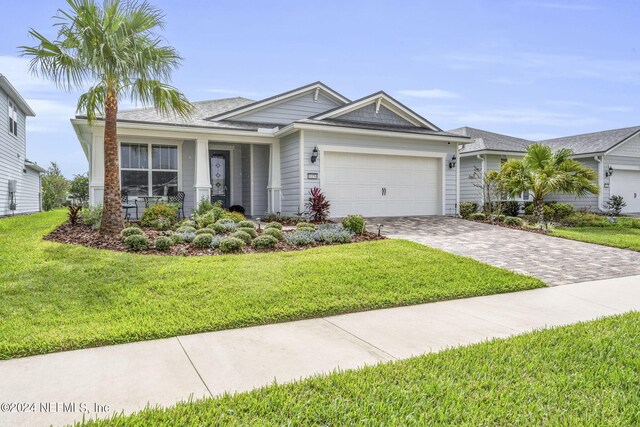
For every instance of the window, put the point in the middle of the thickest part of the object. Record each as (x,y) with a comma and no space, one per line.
(13,119)
(149,170)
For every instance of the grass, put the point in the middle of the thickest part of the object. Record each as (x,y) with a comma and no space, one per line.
(584,374)
(619,237)
(60,297)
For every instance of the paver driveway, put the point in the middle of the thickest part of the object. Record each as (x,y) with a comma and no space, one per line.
(554,260)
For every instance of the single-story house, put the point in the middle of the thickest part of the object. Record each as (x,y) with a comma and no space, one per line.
(373,156)
(20,187)
(613,154)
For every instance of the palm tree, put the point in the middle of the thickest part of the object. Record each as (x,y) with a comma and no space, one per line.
(542,172)
(114,47)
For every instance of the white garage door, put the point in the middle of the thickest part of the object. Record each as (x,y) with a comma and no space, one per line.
(627,184)
(382,185)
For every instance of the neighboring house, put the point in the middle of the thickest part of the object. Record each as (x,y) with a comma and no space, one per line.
(373,156)
(19,178)
(613,154)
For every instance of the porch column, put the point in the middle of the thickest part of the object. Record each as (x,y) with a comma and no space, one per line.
(273,188)
(96,169)
(202,176)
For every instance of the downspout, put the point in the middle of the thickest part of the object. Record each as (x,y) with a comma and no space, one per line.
(600,184)
(458,179)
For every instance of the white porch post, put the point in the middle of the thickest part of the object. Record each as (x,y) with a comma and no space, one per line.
(202,182)
(273,188)
(96,168)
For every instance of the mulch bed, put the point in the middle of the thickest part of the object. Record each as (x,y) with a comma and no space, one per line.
(84,235)
(536,230)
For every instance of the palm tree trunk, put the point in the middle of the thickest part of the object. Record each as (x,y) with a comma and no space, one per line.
(112,221)
(538,211)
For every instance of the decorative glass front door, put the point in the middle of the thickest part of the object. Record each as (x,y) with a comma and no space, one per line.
(220,177)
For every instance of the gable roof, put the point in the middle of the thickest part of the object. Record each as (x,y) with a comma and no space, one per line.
(276,99)
(595,142)
(491,141)
(379,98)
(15,96)
(383,127)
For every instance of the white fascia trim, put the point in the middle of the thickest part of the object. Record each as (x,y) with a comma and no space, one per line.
(497,153)
(279,99)
(383,99)
(383,151)
(624,167)
(624,141)
(369,132)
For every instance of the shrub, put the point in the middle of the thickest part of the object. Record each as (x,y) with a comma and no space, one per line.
(224,226)
(185,229)
(586,219)
(562,210)
(202,241)
(136,242)
(163,243)
(634,223)
(215,242)
(205,231)
(161,224)
(246,224)
(245,237)
(231,244)
(529,207)
(205,205)
(177,238)
(188,236)
(205,220)
(273,224)
(300,238)
(159,210)
(332,234)
(513,220)
(468,208)
(511,208)
(233,216)
(318,205)
(73,213)
(530,219)
(264,242)
(187,223)
(615,204)
(498,218)
(478,216)
(303,224)
(354,223)
(92,216)
(237,208)
(250,231)
(274,217)
(273,232)
(131,231)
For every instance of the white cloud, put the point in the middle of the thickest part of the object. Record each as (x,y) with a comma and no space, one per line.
(429,93)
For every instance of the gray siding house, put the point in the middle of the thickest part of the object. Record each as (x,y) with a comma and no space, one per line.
(373,156)
(613,154)
(19,177)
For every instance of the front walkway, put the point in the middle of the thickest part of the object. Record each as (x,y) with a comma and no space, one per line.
(162,372)
(554,260)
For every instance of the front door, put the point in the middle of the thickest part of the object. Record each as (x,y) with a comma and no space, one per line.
(220,177)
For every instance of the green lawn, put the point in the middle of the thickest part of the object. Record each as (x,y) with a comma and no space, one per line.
(584,374)
(619,237)
(60,297)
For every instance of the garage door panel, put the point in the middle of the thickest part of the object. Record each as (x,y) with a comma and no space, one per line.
(353,183)
(626,183)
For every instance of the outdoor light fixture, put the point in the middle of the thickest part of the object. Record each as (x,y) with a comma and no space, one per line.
(452,163)
(380,229)
(609,172)
(314,154)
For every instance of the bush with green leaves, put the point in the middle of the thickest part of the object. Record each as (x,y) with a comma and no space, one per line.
(273,232)
(513,220)
(205,205)
(187,223)
(511,208)
(245,237)
(233,216)
(529,207)
(586,219)
(157,211)
(177,238)
(250,231)
(92,216)
(562,210)
(206,231)
(131,231)
(354,223)
(215,242)
(161,224)
(615,204)
(300,238)
(264,242)
(231,244)
(478,216)
(163,243)
(468,208)
(136,242)
(498,218)
(246,224)
(202,241)
(305,225)
(185,229)
(273,224)
(224,225)
(332,234)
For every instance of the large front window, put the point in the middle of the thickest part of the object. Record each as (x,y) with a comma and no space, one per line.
(149,169)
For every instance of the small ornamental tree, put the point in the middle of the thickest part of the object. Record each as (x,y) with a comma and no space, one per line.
(615,204)
(318,205)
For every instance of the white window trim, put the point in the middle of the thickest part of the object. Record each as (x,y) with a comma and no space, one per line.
(149,169)
(13,117)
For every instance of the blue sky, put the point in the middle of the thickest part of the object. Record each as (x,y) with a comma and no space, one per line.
(534,69)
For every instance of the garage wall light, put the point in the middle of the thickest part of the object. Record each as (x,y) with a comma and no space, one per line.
(452,163)
(314,154)
(609,172)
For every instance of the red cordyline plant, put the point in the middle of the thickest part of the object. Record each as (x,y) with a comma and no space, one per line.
(318,205)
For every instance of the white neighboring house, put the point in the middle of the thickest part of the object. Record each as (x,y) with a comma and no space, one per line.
(20,190)
(373,156)
(613,154)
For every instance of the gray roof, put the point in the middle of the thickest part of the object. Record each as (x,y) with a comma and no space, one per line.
(490,141)
(596,142)
(382,127)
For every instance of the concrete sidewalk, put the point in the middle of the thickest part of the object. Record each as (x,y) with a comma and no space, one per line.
(162,372)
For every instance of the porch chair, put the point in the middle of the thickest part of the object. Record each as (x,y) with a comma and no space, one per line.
(179,199)
(126,205)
